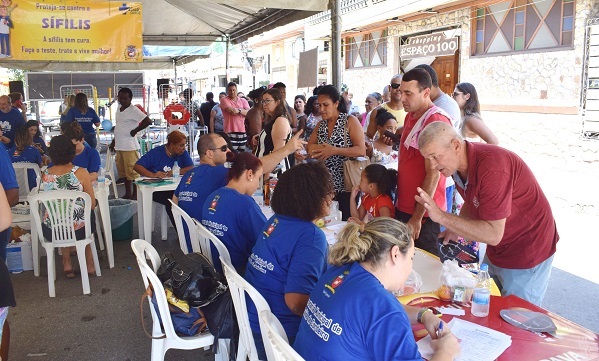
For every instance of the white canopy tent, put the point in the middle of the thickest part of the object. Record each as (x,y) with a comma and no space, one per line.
(193,23)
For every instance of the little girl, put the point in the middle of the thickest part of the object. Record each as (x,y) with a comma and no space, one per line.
(378,184)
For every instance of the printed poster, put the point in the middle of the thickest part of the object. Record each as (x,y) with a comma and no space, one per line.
(68,30)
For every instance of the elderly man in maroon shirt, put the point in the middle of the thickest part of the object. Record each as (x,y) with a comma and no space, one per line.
(504,207)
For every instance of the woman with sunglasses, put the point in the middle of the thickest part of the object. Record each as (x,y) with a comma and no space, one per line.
(231,213)
(472,127)
(159,162)
(277,130)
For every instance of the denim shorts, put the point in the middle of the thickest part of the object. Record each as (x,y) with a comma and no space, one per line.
(529,284)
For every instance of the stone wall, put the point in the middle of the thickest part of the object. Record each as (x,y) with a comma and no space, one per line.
(544,78)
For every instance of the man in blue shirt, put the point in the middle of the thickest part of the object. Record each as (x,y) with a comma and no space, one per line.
(8,180)
(211,174)
(10,120)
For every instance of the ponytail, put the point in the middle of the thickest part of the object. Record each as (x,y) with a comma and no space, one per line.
(384,178)
(370,242)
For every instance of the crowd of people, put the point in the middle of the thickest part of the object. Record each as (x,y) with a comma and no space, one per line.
(436,176)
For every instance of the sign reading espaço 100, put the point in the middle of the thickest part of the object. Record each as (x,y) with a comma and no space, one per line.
(68,30)
(429,45)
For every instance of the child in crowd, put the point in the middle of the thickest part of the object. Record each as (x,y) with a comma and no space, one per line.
(378,185)
(24,152)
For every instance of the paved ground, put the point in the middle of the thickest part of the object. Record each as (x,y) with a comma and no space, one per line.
(106,324)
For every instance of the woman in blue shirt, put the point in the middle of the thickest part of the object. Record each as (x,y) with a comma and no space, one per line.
(85,156)
(290,255)
(159,162)
(231,213)
(86,117)
(352,314)
(36,135)
(24,152)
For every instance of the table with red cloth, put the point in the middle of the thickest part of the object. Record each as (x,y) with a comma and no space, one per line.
(569,342)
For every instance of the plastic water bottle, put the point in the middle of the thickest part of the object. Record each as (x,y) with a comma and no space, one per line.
(272,184)
(176,170)
(101,176)
(481,298)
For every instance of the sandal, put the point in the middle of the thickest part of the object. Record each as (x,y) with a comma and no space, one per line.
(71,274)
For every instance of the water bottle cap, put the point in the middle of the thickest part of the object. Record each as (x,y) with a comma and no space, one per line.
(484,267)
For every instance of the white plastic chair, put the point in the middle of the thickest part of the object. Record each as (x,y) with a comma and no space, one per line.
(239,287)
(200,237)
(21,172)
(60,206)
(109,171)
(275,339)
(203,246)
(182,218)
(166,339)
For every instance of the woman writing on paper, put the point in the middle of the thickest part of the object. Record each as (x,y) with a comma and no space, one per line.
(352,302)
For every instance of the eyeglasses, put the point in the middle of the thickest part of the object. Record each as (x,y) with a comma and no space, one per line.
(455,94)
(266,101)
(224,148)
(394,85)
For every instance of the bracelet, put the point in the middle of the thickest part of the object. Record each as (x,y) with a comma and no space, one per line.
(421,314)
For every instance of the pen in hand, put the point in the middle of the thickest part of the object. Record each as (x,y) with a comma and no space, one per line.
(440,330)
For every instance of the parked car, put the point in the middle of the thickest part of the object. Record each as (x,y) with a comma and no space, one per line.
(50,114)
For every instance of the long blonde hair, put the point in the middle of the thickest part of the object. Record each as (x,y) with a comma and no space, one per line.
(370,242)
(70,104)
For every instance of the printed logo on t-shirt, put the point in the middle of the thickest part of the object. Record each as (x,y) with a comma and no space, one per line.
(214,203)
(475,202)
(319,322)
(336,282)
(271,228)
(260,264)
(189,178)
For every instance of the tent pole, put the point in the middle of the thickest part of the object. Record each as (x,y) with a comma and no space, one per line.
(175,69)
(335,6)
(227,60)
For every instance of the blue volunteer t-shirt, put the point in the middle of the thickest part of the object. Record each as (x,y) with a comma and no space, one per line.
(88,159)
(86,120)
(289,257)
(42,143)
(156,160)
(7,175)
(236,220)
(194,188)
(9,123)
(28,155)
(351,316)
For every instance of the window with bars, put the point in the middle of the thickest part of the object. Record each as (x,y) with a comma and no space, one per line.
(366,50)
(520,25)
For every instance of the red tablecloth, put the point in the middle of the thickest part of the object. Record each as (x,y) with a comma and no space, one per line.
(569,342)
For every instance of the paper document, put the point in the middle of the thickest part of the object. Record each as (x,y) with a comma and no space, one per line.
(331,231)
(478,343)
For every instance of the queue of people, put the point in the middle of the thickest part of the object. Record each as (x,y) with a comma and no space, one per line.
(432,136)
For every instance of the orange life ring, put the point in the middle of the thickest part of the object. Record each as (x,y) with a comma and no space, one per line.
(176,108)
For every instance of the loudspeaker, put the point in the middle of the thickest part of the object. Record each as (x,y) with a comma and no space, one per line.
(162,88)
(16,87)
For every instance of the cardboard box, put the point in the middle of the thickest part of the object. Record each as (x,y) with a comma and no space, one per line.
(19,256)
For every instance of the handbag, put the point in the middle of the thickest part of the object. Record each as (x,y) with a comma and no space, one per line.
(185,323)
(222,322)
(192,277)
(353,167)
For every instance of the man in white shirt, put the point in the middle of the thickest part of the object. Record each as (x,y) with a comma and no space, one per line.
(129,121)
